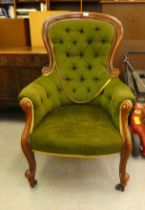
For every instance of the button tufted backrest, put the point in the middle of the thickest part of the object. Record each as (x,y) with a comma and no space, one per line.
(81,51)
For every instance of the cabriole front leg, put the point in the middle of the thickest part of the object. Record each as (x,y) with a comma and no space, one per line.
(25,144)
(30,173)
(124,176)
(127,145)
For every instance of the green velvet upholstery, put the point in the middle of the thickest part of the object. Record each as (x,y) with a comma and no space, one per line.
(78,130)
(112,97)
(81,53)
(47,94)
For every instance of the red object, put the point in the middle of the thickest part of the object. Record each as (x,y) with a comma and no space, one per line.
(137,122)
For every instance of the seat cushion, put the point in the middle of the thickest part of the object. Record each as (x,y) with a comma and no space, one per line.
(77,130)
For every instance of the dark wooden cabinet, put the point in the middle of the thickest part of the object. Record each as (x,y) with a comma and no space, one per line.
(7,79)
(74,5)
(132,16)
(17,69)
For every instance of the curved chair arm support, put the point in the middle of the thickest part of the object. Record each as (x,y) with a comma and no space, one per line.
(25,144)
(46,70)
(126,108)
(27,108)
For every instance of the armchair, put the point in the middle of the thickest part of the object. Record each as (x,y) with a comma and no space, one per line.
(78,107)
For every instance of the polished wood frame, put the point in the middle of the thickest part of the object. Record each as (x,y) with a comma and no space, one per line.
(25,143)
(125,108)
(84,15)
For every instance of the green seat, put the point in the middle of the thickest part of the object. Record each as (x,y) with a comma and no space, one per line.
(78,107)
(77,130)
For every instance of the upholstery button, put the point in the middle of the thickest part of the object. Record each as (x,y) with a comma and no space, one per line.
(74,90)
(89,41)
(97,29)
(67,54)
(67,79)
(61,42)
(103,41)
(74,42)
(82,79)
(59,89)
(74,67)
(88,90)
(81,31)
(96,55)
(67,30)
(89,67)
(81,54)
(48,95)
(95,78)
